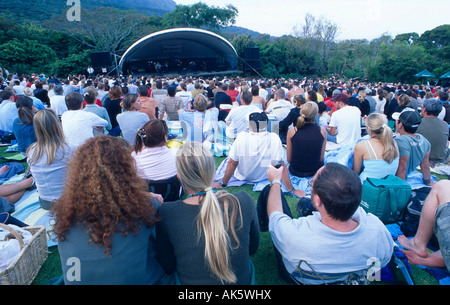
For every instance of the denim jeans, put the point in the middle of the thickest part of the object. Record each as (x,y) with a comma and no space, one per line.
(331,138)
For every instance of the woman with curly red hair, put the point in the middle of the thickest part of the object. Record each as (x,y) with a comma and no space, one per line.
(105,218)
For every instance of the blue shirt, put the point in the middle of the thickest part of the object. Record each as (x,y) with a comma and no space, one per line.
(24,134)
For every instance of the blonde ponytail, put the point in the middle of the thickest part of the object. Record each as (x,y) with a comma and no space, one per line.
(377,124)
(196,169)
(308,114)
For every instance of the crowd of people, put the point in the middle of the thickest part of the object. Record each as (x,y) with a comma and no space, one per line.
(94,144)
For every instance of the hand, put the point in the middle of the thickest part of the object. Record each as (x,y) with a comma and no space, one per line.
(274,173)
(299,193)
(216,185)
(157,197)
(431,183)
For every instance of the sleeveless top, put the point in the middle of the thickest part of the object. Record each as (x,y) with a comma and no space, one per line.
(377,168)
(306,151)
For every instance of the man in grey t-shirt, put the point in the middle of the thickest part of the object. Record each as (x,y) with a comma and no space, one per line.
(414,148)
(434,130)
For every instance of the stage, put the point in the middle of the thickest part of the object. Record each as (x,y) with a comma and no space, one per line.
(172,74)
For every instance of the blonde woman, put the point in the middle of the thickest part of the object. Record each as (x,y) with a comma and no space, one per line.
(378,155)
(208,237)
(48,157)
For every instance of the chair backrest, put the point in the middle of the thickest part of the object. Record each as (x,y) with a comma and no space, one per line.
(169,189)
(302,276)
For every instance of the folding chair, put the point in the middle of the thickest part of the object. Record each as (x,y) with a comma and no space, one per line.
(170,189)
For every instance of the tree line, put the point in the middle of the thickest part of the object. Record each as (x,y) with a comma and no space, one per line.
(57,46)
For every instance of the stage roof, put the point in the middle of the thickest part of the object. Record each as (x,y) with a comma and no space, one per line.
(181,43)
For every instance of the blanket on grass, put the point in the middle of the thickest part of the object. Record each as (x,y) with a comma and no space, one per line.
(342,155)
(29,211)
(440,274)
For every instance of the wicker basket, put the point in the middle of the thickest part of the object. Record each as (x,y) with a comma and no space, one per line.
(25,267)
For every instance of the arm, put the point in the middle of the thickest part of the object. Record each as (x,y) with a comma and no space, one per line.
(274,201)
(401,170)
(332,131)
(425,168)
(358,158)
(289,136)
(229,171)
(324,145)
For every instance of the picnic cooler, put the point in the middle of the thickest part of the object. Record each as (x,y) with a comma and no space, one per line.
(386,198)
(25,267)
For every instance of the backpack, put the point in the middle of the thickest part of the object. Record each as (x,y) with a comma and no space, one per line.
(413,210)
(386,198)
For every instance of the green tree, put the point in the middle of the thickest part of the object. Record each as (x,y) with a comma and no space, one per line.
(103,29)
(200,15)
(26,56)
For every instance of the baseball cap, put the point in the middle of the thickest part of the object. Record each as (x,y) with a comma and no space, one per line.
(257,118)
(408,117)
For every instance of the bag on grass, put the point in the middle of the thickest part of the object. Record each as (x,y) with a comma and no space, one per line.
(413,210)
(386,198)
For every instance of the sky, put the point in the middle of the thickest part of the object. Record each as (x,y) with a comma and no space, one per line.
(356,19)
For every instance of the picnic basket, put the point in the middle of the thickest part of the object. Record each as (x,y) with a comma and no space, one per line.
(25,267)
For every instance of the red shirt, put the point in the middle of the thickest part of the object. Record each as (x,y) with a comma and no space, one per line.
(330,103)
(98,102)
(233,94)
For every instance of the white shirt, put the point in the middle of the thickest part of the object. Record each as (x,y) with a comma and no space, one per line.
(8,113)
(186,96)
(50,179)
(254,151)
(238,119)
(156,163)
(58,103)
(347,121)
(307,238)
(78,126)
(280,109)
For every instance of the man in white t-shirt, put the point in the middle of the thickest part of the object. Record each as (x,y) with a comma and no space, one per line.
(280,107)
(339,237)
(345,123)
(237,118)
(78,125)
(252,152)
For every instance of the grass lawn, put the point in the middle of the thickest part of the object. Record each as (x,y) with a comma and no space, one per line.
(264,259)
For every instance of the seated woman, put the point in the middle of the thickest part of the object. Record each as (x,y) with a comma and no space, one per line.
(130,120)
(208,237)
(306,143)
(154,160)
(194,120)
(291,119)
(105,218)
(23,125)
(379,155)
(112,104)
(48,157)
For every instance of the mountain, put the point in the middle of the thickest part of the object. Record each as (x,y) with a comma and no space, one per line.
(25,11)
(42,10)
